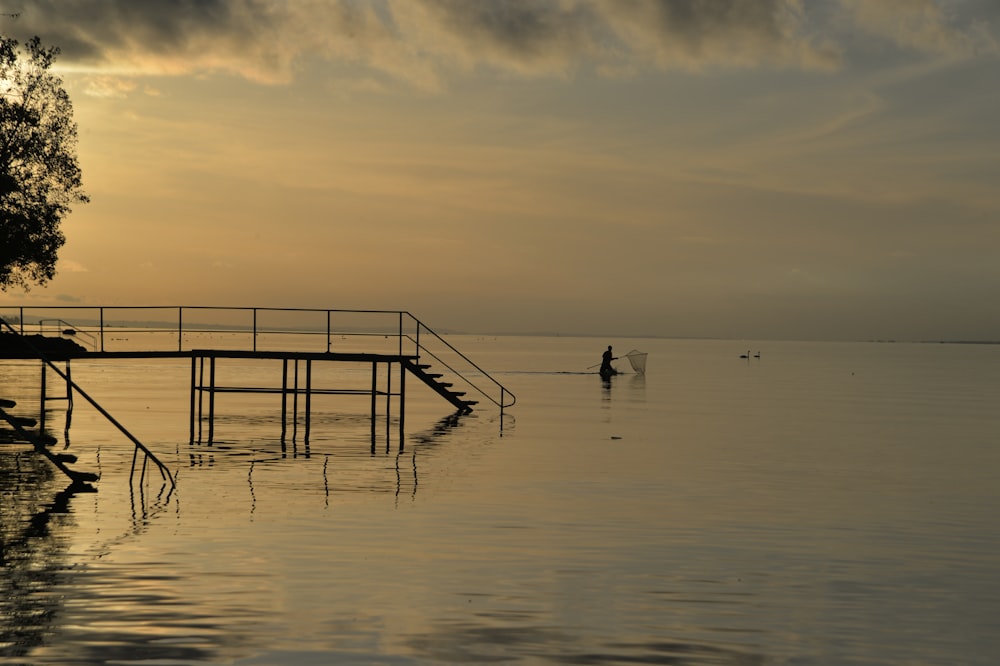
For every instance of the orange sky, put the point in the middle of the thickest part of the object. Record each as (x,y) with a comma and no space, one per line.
(745,168)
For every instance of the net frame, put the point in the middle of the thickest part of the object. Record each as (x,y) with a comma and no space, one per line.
(637,360)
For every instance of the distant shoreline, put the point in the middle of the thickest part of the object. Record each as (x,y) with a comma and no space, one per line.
(227,327)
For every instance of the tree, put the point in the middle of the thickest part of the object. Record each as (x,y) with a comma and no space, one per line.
(39,174)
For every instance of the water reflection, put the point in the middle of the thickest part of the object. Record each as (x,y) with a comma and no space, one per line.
(147,508)
(856,514)
(439,430)
(32,552)
(479,640)
(39,580)
(399,478)
(346,465)
(631,386)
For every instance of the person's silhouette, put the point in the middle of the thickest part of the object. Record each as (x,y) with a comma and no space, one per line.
(606,359)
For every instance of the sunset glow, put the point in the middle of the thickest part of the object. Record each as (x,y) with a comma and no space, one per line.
(742,168)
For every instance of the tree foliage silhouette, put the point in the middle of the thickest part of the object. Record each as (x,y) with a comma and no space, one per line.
(39,173)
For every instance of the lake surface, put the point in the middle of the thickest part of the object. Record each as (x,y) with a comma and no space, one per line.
(827,503)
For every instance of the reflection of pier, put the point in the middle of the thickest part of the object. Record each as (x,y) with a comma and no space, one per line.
(342,472)
(32,555)
(42,559)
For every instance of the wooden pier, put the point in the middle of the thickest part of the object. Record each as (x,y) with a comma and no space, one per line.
(393,344)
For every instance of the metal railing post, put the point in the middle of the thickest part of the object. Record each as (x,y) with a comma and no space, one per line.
(400,333)
(180,328)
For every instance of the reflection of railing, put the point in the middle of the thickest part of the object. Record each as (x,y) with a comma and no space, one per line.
(139,446)
(184,327)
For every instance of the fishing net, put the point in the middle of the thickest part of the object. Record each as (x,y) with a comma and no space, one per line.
(638,361)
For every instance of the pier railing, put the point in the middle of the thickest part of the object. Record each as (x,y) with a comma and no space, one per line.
(106,329)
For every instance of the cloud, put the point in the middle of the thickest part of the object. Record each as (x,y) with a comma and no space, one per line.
(692,35)
(70,266)
(251,39)
(421,40)
(108,87)
(427,42)
(524,36)
(958,29)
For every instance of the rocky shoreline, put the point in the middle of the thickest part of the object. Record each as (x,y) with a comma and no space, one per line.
(13,345)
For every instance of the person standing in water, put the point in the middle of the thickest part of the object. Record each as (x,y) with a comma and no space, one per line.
(606,359)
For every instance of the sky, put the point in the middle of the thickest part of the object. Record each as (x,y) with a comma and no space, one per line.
(749,169)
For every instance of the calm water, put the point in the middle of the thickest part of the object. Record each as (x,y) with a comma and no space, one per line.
(824,504)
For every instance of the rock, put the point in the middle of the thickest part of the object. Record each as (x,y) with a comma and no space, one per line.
(13,345)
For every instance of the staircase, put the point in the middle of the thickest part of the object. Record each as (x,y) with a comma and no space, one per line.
(40,440)
(81,480)
(443,388)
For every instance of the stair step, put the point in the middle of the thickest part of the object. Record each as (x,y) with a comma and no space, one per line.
(7,404)
(471,402)
(65,457)
(457,393)
(434,375)
(45,439)
(85,476)
(445,384)
(26,421)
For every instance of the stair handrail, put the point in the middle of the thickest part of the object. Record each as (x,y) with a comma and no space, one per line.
(68,329)
(164,472)
(421,347)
